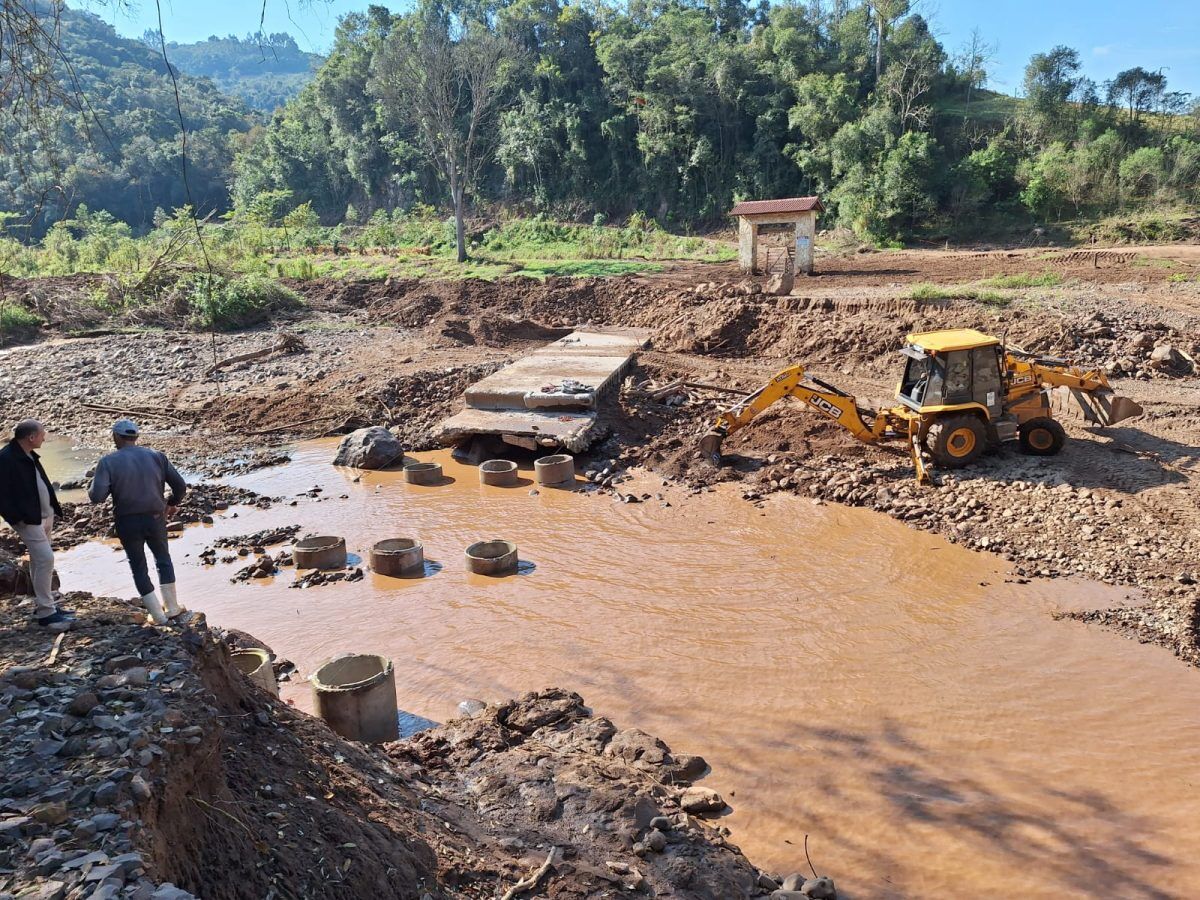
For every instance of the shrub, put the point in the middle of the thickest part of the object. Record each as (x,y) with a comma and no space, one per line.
(14,318)
(215,301)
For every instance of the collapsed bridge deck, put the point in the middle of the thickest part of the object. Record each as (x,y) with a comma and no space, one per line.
(549,399)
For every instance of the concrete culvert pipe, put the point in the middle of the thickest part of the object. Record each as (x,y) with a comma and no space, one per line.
(255,664)
(423,473)
(554,470)
(321,552)
(500,472)
(356,696)
(397,557)
(492,558)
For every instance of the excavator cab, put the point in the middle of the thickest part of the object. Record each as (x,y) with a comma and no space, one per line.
(947,370)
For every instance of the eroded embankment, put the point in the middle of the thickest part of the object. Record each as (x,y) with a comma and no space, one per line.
(137,762)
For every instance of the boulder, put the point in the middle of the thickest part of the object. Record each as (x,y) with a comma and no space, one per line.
(701,800)
(781,284)
(369,448)
(1169,359)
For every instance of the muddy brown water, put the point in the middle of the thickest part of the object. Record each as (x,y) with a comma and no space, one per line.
(931,727)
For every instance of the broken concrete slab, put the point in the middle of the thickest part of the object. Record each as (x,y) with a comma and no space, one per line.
(531,429)
(549,397)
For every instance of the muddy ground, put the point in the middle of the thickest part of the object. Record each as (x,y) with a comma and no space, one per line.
(479,803)
(1120,505)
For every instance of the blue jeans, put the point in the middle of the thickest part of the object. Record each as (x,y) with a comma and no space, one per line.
(136,533)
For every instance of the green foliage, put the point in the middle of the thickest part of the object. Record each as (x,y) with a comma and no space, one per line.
(225,303)
(1144,171)
(927,291)
(264,70)
(15,319)
(114,146)
(1024,280)
(662,113)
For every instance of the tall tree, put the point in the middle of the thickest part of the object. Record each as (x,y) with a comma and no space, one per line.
(972,63)
(1137,90)
(443,74)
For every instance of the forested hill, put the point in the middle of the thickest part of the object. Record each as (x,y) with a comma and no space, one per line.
(666,108)
(112,140)
(677,109)
(265,70)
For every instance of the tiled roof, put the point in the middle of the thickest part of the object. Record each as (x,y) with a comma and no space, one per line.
(766,207)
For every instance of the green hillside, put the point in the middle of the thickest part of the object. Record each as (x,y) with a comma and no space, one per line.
(114,144)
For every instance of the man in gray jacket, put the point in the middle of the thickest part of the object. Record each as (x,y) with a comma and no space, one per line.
(134,476)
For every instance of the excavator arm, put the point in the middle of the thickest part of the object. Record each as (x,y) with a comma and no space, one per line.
(792,382)
(1089,387)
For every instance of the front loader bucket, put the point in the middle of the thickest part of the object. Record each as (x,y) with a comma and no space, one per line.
(710,446)
(1105,407)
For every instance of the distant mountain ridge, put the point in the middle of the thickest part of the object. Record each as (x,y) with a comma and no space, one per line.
(264,70)
(114,146)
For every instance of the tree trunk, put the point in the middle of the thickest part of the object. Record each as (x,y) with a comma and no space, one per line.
(878,44)
(460,240)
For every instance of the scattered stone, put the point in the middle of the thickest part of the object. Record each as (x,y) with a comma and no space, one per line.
(701,800)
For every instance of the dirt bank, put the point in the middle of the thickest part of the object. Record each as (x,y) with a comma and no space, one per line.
(138,763)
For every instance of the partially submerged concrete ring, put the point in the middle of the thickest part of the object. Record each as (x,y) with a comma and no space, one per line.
(398,557)
(321,552)
(356,696)
(255,664)
(492,558)
(423,473)
(556,469)
(500,472)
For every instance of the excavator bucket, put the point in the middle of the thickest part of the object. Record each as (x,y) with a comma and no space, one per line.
(710,446)
(1104,407)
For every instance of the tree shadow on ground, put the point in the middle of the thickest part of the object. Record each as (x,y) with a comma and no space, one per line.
(1074,840)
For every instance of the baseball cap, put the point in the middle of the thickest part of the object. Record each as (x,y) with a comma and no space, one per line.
(125,428)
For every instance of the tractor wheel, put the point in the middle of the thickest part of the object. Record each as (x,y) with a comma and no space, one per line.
(957,441)
(1042,436)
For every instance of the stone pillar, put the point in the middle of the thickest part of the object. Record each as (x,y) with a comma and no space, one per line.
(747,245)
(806,234)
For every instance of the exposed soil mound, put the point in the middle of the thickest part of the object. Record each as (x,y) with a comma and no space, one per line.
(542,772)
(135,757)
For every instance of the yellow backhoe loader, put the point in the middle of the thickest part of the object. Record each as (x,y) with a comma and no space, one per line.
(962,392)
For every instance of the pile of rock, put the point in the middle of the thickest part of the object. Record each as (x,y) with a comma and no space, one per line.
(617,808)
(83,738)
(82,522)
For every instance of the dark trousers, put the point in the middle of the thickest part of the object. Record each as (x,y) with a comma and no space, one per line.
(136,533)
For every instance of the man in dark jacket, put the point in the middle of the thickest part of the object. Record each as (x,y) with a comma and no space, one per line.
(135,476)
(28,504)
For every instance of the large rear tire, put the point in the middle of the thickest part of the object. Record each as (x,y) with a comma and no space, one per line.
(956,441)
(1041,436)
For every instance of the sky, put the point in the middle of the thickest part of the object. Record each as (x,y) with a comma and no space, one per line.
(1109,35)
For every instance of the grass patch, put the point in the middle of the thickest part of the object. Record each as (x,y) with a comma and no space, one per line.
(15,318)
(1024,280)
(1153,262)
(587,268)
(1148,226)
(926,291)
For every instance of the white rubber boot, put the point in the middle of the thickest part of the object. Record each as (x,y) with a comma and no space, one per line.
(170,603)
(150,601)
